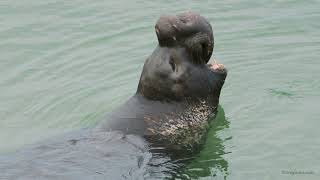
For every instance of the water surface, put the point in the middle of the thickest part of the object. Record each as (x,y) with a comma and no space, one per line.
(65,64)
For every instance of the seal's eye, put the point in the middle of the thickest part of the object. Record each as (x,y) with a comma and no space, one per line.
(172,64)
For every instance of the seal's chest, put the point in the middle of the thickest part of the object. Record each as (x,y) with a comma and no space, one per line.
(183,130)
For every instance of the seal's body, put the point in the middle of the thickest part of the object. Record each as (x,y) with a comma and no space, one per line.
(178,91)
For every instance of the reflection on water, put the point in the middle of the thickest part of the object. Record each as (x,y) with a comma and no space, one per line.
(210,161)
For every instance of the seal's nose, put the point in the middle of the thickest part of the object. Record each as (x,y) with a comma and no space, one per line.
(165,30)
(163,25)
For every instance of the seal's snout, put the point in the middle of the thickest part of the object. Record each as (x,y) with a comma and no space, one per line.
(165,29)
(170,29)
(188,30)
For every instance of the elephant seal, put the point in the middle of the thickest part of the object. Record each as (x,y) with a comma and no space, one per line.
(177,94)
(178,91)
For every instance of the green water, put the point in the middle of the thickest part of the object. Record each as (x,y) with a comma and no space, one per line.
(65,64)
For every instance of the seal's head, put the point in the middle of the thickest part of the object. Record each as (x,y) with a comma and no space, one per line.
(178,69)
(189,30)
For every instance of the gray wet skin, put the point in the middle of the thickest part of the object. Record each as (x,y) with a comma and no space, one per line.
(176,83)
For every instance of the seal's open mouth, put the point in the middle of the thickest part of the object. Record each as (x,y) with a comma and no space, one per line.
(216,67)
